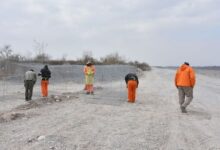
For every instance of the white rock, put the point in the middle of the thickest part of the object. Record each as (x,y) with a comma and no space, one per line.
(40,138)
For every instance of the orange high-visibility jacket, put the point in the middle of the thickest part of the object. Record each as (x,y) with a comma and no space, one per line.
(89,70)
(185,76)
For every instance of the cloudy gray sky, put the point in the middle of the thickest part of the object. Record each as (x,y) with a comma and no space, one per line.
(160,32)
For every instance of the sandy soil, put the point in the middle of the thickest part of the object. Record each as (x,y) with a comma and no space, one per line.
(72,120)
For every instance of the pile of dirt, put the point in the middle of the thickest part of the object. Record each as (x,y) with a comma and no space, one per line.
(18,112)
(47,100)
(9,116)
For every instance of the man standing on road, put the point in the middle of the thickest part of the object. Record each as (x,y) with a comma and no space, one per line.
(30,79)
(185,81)
(132,83)
(89,71)
(45,74)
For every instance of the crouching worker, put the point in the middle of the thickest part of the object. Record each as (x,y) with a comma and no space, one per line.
(89,71)
(45,74)
(30,79)
(132,83)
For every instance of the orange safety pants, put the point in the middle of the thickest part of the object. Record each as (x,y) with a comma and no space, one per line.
(89,88)
(132,85)
(44,87)
(86,87)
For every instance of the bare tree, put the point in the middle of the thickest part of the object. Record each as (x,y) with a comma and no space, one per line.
(6,59)
(64,57)
(6,52)
(113,58)
(40,47)
(87,56)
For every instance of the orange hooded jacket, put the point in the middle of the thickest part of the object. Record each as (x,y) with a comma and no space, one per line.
(185,76)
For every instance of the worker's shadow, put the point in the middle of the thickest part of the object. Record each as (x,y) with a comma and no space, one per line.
(200,114)
(107,97)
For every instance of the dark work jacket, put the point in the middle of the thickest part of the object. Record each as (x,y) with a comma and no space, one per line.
(131,76)
(45,73)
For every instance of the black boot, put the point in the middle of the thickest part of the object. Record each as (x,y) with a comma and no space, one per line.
(183,109)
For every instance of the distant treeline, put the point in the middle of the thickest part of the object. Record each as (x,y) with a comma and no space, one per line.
(195,67)
(111,59)
(208,67)
(7,55)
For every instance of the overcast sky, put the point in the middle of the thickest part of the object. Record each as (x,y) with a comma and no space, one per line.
(159,32)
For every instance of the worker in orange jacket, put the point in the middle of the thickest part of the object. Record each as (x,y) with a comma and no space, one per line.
(89,72)
(185,81)
(132,84)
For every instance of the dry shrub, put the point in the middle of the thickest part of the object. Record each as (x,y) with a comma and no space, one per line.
(113,59)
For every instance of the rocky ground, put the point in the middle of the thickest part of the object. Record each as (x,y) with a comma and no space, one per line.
(71,120)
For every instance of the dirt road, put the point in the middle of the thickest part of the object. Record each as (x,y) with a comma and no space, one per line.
(105,121)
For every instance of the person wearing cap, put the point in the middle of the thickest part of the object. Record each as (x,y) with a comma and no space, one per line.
(30,79)
(132,82)
(89,72)
(46,75)
(185,80)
